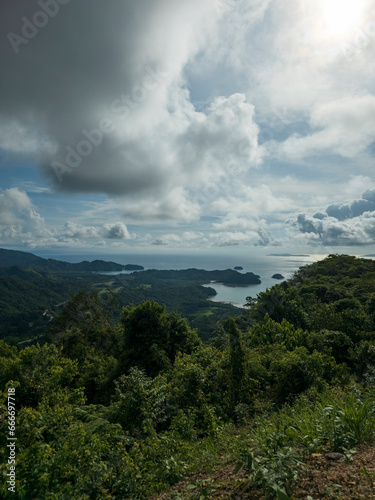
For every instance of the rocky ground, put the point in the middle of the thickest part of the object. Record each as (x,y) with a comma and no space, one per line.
(325,476)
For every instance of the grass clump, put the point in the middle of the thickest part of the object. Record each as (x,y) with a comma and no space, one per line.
(333,421)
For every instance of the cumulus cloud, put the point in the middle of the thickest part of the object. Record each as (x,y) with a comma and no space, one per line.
(246,208)
(112,114)
(13,205)
(344,127)
(343,211)
(235,238)
(22,224)
(226,136)
(185,239)
(341,224)
(331,232)
(116,231)
(195,239)
(19,219)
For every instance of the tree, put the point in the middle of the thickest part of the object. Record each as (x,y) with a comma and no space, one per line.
(237,357)
(278,302)
(153,337)
(84,311)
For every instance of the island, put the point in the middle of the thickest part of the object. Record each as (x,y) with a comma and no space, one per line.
(278,276)
(238,268)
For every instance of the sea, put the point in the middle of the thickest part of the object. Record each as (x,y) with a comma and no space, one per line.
(263,265)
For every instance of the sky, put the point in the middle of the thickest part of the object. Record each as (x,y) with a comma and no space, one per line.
(173,125)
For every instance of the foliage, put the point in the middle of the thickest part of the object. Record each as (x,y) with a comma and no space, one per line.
(123,409)
(273,471)
(31,299)
(334,421)
(139,403)
(237,361)
(280,302)
(152,337)
(37,371)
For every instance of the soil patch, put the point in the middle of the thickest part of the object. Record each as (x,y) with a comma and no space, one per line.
(324,477)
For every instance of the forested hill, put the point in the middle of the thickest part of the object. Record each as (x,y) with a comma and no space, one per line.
(10,258)
(337,293)
(126,408)
(33,290)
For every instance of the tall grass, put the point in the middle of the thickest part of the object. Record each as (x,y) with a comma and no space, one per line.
(334,421)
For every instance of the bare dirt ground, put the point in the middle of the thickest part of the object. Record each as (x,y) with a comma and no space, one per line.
(323,478)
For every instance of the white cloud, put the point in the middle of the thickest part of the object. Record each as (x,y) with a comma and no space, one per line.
(116,231)
(245,208)
(256,237)
(13,205)
(330,231)
(22,224)
(235,238)
(344,127)
(20,221)
(185,239)
(341,224)
(224,138)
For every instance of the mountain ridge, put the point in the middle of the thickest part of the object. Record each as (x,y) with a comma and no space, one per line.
(10,258)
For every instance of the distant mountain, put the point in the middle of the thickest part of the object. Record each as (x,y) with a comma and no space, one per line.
(10,258)
(286,255)
(28,260)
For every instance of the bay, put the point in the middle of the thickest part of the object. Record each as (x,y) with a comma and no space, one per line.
(263,265)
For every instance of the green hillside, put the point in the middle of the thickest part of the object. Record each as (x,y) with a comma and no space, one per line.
(31,298)
(128,408)
(10,258)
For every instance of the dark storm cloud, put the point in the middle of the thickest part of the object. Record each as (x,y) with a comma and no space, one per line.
(97,96)
(307,225)
(82,81)
(65,78)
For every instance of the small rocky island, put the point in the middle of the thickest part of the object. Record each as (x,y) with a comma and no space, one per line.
(238,268)
(278,276)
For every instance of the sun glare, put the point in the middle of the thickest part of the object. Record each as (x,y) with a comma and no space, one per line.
(341,16)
